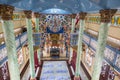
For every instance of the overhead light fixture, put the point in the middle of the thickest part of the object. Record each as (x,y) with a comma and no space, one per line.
(55,11)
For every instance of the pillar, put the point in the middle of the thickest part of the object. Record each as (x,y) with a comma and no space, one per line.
(8,29)
(79,49)
(73,22)
(72,31)
(37,16)
(106,16)
(28,15)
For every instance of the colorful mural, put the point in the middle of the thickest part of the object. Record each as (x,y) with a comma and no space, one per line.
(55,22)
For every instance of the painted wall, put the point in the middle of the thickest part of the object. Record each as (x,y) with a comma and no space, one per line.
(114,30)
(18,20)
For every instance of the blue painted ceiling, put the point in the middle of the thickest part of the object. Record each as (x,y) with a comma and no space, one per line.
(63,6)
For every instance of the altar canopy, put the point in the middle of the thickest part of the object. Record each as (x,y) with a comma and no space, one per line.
(65,6)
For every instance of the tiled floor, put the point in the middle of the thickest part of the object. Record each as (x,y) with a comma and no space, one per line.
(47,57)
(27,74)
(55,70)
(82,73)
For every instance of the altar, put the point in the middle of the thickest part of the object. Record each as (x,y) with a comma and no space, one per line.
(54,52)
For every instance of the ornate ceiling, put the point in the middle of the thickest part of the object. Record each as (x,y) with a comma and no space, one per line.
(66,6)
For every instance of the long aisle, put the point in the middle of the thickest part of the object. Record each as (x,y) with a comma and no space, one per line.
(55,70)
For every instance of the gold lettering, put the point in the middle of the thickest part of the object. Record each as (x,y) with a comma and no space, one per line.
(118,20)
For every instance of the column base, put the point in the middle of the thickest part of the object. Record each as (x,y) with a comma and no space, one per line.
(76,78)
(33,79)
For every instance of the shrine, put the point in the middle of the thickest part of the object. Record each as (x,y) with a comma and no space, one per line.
(59,39)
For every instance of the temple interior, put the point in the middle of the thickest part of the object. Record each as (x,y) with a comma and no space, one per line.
(59,39)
